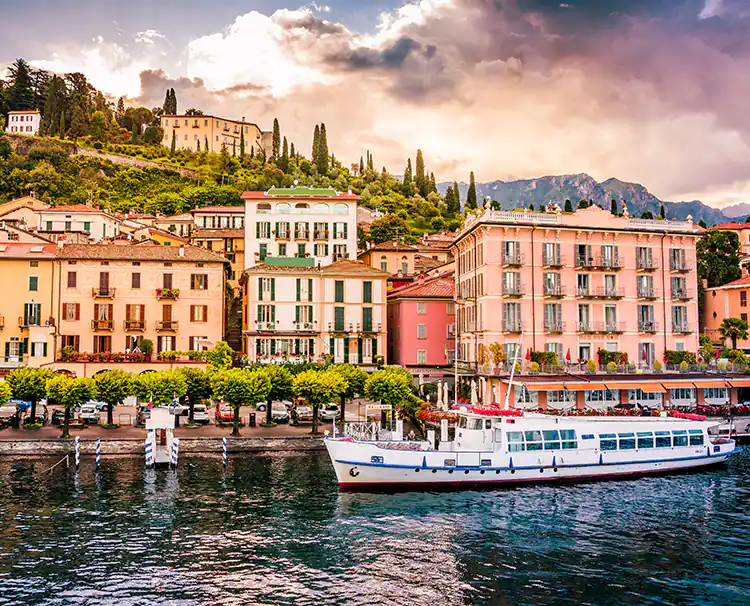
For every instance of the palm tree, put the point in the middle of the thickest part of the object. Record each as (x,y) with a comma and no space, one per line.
(733,328)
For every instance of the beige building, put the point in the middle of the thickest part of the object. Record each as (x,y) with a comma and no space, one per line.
(297,311)
(228,242)
(110,297)
(197,132)
(27,324)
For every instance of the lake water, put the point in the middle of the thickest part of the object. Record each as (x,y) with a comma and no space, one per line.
(276,530)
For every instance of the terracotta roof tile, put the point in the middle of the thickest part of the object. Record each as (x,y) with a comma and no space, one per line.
(440,286)
(736,225)
(27,250)
(740,282)
(392,246)
(217,233)
(144,252)
(75,208)
(219,209)
(298,193)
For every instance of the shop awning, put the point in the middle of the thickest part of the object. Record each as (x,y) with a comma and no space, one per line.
(584,386)
(678,384)
(543,386)
(739,382)
(631,385)
(650,387)
(716,383)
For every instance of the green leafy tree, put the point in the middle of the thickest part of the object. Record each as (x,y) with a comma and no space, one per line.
(30,385)
(703,224)
(98,126)
(568,206)
(221,356)
(197,387)
(582,204)
(318,388)
(391,386)
(238,386)
(159,387)
(112,387)
(70,393)
(6,393)
(719,256)
(61,130)
(451,202)
(21,89)
(390,227)
(281,387)
(276,140)
(471,196)
(173,146)
(647,215)
(354,379)
(663,212)
(734,329)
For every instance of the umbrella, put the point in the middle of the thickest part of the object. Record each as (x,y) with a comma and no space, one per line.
(717,354)
(439,402)
(445,396)
(644,354)
(528,354)
(474,396)
(567,356)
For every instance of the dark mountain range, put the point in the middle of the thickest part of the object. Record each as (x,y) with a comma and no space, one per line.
(558,188)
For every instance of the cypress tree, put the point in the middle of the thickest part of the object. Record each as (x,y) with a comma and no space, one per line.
(433,185)
(568,206)
(316,144)
(198,146)
(407,173)
(167,103)
(322,161)
(531,207)
(62,125)
(361,165)
(451,202)
(419,175)
(134,132)
(174,101)
(242,143)
(370,161)
(276,144)
(174,144)
(471,196)
(234,147)
(663,212)
(613,207)
(458,195)
(292,153)
(284,165)
(205,144)
(21,91)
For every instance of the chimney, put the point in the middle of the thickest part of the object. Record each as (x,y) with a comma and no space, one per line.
(182,250)
(88,203)
(350,192)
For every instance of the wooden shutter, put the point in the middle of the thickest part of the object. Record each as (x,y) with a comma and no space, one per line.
(273,289)
(374,347)
(205,313)
(260,289)
(258,317)
(359,350)
(72,279)
(192,313)
(346,350)
(346,231)
(312,347)
(128,312)
(310,318)
(257,230)
(273,313)
(136,280)
(309,289)
(167,281)
(44,349)
(77,311)
(299,280)
(296,313)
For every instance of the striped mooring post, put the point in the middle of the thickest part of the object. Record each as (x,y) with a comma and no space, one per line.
(148,450)
(224,454)
(98,452)
(78,451)
(175,451)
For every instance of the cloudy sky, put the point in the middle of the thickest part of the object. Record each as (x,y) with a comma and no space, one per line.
(653,91)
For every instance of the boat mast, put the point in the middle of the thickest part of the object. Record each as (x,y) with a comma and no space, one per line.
(512,373)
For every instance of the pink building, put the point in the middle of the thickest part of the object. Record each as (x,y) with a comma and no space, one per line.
(422,325)
(727,301)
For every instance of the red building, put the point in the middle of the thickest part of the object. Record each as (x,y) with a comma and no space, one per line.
(422,325)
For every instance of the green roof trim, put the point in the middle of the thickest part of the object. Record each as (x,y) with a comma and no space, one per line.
(302,191)
(290,262)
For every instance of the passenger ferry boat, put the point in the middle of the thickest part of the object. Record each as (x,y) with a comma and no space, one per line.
(498,446)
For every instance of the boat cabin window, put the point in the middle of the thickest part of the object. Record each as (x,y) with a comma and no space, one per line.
(663,440)
(541,440)
(587,436)
(568,437)
(551,440)
(645,439)
(626,441)
(462,422)
(533,439)
(607,441)
(488,423)
(515,441)
(679,437)
(696,437)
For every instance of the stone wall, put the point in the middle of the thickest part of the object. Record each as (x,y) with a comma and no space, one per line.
(10,448)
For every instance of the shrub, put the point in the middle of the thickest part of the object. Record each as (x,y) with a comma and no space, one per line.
(657,366)
(676,357)
(611,367)
(616,357)
(147,347)
(545,358)
(98,145)
(684,366)
(736,356)
(534,367)
(591,366)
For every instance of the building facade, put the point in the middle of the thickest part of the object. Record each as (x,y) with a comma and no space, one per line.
(85,219)
(422,325)
(110,297)
(26,122)
(27,322)
(298,311)
(228,242)
(727,301)
(300,222)
(219,217)
(198,133)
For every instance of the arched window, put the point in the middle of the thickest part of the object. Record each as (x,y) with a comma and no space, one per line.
(302,207)
(321,208)
(283,208)
(263,208)
(341,209)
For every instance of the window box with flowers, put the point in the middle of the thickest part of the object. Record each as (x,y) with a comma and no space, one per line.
(167,293)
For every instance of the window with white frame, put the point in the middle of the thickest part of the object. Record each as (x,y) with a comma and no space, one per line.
(715,393)
(265,313)
(421,356)
(682,393)
(603,395)
(561,396)
(421,331)
(421,307)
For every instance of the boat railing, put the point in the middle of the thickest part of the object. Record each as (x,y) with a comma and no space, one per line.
(362,431)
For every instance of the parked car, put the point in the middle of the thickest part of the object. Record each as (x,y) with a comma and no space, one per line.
(89,414)
(329,412)
(224,413)
(58,416)
(304,413)
(289,405)
(279,413)
(181,410)
(260,406)
(99,405)
(200,413)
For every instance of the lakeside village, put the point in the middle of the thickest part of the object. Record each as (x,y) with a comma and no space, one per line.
(266,312)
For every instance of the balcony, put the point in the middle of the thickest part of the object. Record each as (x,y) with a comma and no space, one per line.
(679,266)
(608,327)
(305,326)
(584,262)
(511,259)
(320,235)
(604,292)
(512,290)
(168,293)
(340,327)
(512,326)
(371,329)
(583,293)
(14,361)
(645,264)
(302,235)
(553,260)
(134,325)
(682,328)
(99,325)
(554,326)
(166,325)
(585,327)
(103,293)
(646,293)
(647,326)
(2,322)
(29,321)
(554,290)
(283,235)
(680,294)
(609,263)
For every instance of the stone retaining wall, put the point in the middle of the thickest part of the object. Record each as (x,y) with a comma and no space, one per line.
(135,447)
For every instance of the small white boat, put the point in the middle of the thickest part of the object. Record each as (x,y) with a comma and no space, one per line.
(496,446)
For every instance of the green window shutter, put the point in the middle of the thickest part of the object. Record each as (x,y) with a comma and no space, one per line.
(257,230)
(260,289)
(276,228)
(259,310)
(257,346)
(44,350)
(338,318)
(296,347)
(310,314)
(25,346)
(309,289)
(359,350)
(367,319)
(339,291)
(312,347)
(273,313)
(299,280)
(374,347)
(332,349)
(367,292)
(296,312)
(273,346)
(7,350)
(346,231)
(346,351)
(273,289)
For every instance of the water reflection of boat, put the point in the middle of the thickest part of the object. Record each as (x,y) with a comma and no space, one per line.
(496,446)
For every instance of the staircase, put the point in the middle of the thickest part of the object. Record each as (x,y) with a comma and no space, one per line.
(234,325)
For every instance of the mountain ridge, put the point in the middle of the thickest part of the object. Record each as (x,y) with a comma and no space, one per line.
(557,188)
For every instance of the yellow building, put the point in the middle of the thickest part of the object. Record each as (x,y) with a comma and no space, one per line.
(197,132)
(27,324)
(227,242)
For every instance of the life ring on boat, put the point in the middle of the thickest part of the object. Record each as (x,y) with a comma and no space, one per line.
(354,472)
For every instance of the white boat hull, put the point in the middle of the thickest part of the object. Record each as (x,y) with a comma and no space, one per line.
(398,469)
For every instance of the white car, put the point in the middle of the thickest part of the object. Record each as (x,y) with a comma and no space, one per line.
(200,413)
(279,413)
(329,412)
(304,413)
(90,414)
